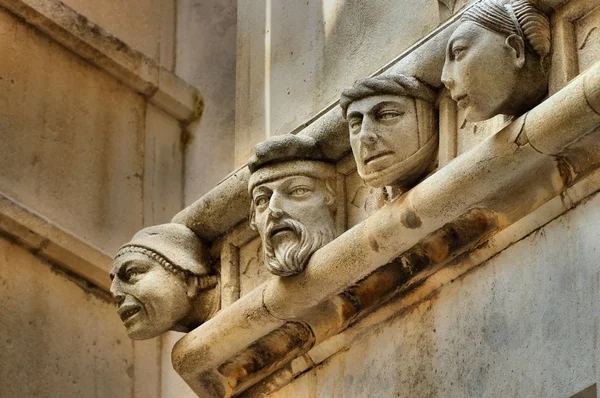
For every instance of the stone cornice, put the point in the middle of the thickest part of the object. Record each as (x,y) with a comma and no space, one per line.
(52,243)
(92,43)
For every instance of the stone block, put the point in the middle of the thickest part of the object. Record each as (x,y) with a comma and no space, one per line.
(58,340)
(163,167)
(73,138)
(137,24)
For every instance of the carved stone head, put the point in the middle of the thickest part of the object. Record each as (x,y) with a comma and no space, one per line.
(393,129)
(161,281)
(496,60)
(293,201)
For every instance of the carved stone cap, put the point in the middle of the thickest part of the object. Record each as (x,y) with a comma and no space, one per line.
(283,148)
(176,243)
(285,155)
(394,84)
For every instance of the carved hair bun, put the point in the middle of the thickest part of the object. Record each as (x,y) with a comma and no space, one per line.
(535,26)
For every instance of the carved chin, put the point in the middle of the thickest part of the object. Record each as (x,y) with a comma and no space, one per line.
(290,256)
(407,171)
(139,327)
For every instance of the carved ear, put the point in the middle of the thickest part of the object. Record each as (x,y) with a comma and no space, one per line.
(517,47)
(252,221)
(192,287)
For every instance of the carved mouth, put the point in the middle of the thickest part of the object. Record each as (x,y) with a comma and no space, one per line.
(279,230)
(377,156)
(461,100)
(128,312)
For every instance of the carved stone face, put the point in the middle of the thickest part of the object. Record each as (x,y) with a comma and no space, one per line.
(294,218)
(384,136)
(150,299)
(481,71)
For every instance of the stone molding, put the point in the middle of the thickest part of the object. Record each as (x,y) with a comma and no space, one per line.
(226,205)
(52,243)
(504,177)
(92,43)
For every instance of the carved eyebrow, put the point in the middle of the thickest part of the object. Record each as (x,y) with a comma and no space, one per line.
(261,190)
(354,115)
(384,104)
(119,269)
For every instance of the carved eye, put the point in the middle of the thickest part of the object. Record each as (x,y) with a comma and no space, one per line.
(354,123)
(300,191)
(386,115)
(458,51)
(132,273)
(261,201)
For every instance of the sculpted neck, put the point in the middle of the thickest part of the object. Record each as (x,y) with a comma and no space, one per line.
(530,88)
(206,304)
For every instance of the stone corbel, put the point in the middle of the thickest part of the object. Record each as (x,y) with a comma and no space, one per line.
(483,191)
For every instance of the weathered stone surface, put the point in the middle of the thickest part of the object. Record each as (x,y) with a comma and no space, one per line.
(588,39)
(77,161)
(58,339)
(252,267)
(163,167)
(136,24)
(523,324)
(206,57)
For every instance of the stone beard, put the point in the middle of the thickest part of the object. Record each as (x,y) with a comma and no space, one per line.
(290,255)
(293,211)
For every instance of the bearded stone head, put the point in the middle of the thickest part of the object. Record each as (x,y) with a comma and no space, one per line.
(293,201)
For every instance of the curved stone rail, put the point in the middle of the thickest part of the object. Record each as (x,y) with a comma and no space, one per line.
(507,177)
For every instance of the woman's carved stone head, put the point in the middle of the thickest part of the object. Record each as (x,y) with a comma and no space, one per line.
(393,129)
(497,59)
(161,281)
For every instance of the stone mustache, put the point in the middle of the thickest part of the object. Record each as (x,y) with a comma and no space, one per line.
(496,63)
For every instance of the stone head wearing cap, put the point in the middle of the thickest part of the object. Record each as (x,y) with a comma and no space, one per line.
(161,281)
(393,129)
(292,187)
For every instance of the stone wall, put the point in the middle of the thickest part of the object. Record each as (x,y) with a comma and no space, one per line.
(58,339)
(87,157)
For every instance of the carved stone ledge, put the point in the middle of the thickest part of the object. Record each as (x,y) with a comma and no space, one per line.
(50,242)
(486,190)
(107,52)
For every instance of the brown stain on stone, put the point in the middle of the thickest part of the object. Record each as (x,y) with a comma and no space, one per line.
(411,220)
(267,354)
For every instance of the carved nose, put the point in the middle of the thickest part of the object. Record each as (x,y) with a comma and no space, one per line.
(367,132)
(447,78)
(368,138)
(275,207)
(116,292)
